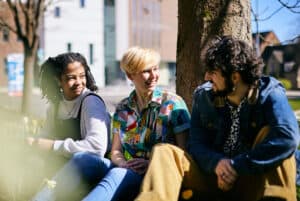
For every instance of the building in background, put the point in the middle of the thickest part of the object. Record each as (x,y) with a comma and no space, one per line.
(145,23)
(263,39)
(77,26)
(283,62)
(9,44)
(102,31)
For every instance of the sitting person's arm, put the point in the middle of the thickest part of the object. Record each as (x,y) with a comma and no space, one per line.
(117,155)
(138,165)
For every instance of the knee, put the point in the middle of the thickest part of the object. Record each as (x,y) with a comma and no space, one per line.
(119,172)
(90,166)
(122,173)
(124,176)
(164,148)
(80,155)
(80,158)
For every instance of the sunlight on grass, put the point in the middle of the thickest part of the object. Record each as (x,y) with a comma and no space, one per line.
(295,104)
(19,171)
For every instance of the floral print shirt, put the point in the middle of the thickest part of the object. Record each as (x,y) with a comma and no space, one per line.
(165,115)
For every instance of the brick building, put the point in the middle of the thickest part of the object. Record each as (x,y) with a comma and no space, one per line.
(9,43)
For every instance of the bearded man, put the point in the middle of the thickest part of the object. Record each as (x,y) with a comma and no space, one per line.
(242,140)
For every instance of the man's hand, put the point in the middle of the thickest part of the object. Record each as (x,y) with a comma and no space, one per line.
(226,174)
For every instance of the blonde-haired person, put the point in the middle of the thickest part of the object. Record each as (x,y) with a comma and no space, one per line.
(149,115)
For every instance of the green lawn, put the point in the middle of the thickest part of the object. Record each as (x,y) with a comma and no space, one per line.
(19,169)
(295,104)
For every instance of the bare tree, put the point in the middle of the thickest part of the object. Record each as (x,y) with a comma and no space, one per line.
(27,15)
(198,22)
(292,5)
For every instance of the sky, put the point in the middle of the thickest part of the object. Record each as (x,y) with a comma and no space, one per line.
(285,24)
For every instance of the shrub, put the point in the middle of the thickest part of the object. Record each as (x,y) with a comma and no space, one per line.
(286,83)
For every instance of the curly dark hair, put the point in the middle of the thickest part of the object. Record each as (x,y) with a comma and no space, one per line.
(52,70)
(232,55)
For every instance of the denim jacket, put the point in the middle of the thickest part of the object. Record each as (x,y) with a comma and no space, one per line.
(272,109)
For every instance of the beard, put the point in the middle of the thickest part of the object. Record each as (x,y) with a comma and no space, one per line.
(228,89)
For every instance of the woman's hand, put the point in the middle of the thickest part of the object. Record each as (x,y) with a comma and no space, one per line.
(138,165)
(30,141)
(41,143)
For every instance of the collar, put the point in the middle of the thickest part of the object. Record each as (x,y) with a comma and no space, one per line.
(156,98)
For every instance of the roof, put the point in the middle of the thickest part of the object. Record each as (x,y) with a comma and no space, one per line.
(263,36)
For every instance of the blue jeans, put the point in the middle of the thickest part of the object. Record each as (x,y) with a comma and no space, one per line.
(68,181)
(111,183)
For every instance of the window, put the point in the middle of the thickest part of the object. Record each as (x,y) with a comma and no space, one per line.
(5,32)
(109,2)
(82,3)
(19,38)
(69,47)
(91,48)
(57,11)
(288,66)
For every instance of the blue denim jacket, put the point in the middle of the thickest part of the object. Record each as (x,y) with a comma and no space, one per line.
(272,108)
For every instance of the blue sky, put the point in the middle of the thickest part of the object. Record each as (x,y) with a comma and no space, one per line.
(284,23)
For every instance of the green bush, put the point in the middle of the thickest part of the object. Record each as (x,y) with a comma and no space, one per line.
(286,83)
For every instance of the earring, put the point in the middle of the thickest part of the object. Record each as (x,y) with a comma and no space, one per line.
(234,88)
(61,90)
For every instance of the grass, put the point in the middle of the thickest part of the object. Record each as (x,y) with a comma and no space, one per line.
(19,170)
(295,104)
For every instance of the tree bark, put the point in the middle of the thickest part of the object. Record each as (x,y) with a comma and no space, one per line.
(198,22)
(29,62)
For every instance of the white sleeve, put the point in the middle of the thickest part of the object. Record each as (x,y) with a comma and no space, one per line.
(95,126)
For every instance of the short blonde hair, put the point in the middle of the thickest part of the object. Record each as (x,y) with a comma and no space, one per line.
(136,59)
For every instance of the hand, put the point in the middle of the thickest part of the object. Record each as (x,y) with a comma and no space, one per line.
(226,174)
(30,140)
(42,143)
(138,165)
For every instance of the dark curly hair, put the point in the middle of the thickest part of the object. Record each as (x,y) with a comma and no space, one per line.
(232,55)
(52,70)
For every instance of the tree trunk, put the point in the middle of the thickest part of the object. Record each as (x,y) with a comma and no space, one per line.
(198,23)
(29,62)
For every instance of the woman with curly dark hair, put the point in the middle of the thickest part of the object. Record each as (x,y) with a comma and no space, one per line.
(242,139)
(77,120)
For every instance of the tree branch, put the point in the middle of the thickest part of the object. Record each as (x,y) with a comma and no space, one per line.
(39,9)
(4,24)
(295,8)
